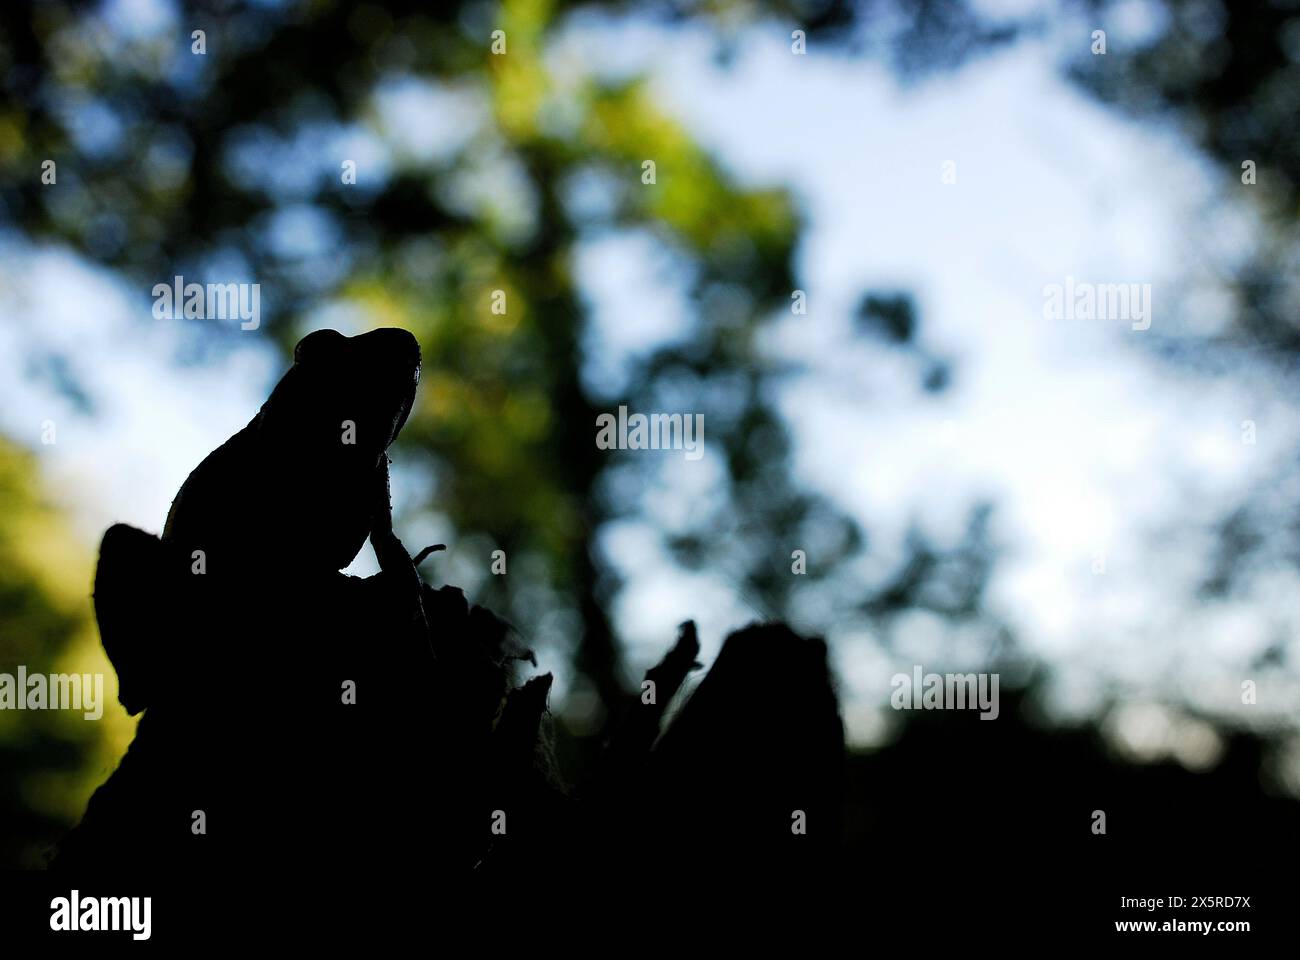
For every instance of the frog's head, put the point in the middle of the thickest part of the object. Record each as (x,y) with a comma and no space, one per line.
(345,398)
(325,429)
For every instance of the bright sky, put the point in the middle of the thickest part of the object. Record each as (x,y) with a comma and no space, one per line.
(1088,444)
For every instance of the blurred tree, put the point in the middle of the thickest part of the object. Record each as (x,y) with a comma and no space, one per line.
(231,162)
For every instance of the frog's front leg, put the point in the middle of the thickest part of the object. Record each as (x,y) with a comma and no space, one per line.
(395,564)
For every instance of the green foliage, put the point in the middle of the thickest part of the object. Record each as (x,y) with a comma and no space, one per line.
(52,759)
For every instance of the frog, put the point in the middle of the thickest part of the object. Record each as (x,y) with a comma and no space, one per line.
(280,508)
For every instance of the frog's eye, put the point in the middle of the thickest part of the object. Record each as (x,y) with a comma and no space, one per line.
(316,345)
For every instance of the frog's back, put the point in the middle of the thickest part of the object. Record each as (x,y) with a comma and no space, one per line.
(216,500)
